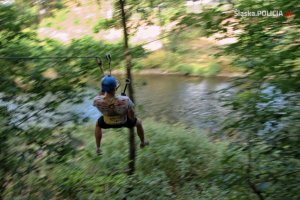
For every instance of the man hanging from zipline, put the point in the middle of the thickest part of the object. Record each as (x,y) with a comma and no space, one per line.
(117,112)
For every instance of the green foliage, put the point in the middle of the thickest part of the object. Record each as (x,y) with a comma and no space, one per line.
(160,59)
(33,128)
(61,15)
(176,165)
(13,24)
(44,156)
(213,69)
(164,11)
(187,69)
(76,21)
(177,62)
(105,24)
(154,60)
(265,117)
(36,133)
(196,69)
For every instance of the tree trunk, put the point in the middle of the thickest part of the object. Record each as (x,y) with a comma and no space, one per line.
(249,170)
(131,164)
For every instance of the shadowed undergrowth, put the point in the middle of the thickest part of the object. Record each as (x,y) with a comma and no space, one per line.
(179,163)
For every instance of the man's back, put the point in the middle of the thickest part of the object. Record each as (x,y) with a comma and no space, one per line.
(114,109)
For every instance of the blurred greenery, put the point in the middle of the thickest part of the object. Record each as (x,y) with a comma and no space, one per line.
(176,165)
(47,154)
(105,24)
(264,122)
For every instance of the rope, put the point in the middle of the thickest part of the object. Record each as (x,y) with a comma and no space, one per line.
(49,57)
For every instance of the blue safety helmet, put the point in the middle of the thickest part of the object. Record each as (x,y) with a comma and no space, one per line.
(109,83)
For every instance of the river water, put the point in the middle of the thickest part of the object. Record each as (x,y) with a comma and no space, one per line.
(175,99)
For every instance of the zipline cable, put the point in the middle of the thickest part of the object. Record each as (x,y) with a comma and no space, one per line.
(48,57)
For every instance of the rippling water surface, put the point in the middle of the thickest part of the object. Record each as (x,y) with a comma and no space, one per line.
(175,99)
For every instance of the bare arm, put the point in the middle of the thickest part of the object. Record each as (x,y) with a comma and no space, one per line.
(131,113)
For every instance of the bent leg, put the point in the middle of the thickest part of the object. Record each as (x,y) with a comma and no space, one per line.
(98,137)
